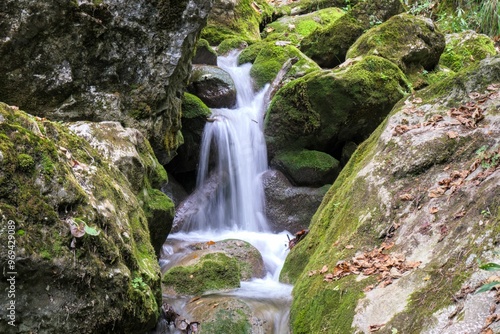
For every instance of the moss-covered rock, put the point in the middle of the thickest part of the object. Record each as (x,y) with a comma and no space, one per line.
(307,168)
(204,54)
(466,48)
(231,44)
(194,118)
(81,232)
(395,189)
(210,272)
(325,109)
(271,58)
(236,19)
(411,42)
(213,86)
(295,28)
(328,46)
(308,6)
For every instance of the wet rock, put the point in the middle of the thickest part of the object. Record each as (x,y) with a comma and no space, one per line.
(213,86)
(289,207)
(412,43)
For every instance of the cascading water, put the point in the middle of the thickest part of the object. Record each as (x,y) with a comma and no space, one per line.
(234,154)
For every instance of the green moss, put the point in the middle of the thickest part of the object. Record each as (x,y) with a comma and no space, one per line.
(271,58)
(251,52)
(393,40)
(26,162)
(214,271)
(295,28)
(193,107)
(464,49)
(230,44)
(228,322)
(244,24)
(307,158)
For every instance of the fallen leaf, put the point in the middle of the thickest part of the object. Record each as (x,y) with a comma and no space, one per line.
(349,247)
(210,243)
(324,269)
(433,210)
(406,197)
(452,134)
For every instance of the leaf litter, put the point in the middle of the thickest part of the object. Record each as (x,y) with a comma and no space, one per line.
(388,266)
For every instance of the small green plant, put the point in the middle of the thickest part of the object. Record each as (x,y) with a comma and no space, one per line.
(488,286)
(25,161)
(138,284)
(486,213)
(488,158)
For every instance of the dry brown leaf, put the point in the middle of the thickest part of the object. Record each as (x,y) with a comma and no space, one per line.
(406,197)
(452,134)
(487,331)
(324,269)
(349,247)
(433,210)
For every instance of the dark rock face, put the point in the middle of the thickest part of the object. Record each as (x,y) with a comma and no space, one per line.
(288,207)
(101,60)
(213,86)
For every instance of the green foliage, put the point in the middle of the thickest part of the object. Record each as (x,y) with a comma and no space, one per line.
(488,286)
(138,284)
(488,158)
(489,17)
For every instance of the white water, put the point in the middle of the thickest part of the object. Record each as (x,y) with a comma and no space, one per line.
(237,211)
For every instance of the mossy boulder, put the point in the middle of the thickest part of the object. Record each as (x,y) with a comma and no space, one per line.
(231,44)
(213,271)
(131,153)
(236,19)
(204,54)
(194,118)
(307,168)
(81,232)
(271,58)
(328,46)
(308,6)
(323,110)
(394,195)
(213,86)
(466,48)
(295,28)
(411,42)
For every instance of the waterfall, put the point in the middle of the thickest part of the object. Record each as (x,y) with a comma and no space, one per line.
(235,138)
(229,203)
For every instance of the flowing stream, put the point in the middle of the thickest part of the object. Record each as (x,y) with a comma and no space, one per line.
(234,154)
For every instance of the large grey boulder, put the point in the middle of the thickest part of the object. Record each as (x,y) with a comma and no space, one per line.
(289,207)
(101,60)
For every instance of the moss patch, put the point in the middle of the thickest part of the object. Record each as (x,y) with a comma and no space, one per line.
(214,271)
